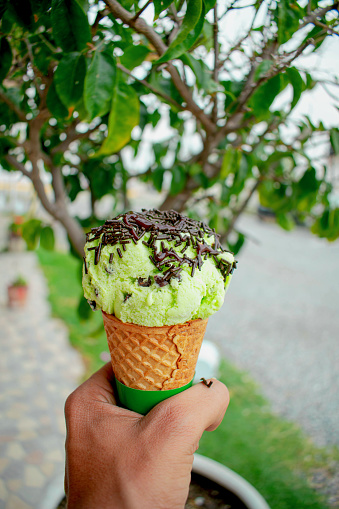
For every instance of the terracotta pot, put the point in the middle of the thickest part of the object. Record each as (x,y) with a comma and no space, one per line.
(17,296)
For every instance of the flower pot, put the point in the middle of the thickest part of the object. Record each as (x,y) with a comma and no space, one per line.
(234,489)
(17,296)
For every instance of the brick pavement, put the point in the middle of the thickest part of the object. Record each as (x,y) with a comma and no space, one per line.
(38,369)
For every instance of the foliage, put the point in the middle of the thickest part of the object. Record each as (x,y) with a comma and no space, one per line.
(19,281)
(270,453)
(82,84)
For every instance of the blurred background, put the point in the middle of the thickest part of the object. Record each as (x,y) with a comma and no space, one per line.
(227,112)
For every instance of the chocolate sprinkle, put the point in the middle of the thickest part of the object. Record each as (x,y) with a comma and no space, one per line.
(167,226)
(144,282)
(92,304)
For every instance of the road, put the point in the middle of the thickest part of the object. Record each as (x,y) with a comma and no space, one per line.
(280,322)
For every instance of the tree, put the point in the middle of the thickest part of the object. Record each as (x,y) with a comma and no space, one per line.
(70,99)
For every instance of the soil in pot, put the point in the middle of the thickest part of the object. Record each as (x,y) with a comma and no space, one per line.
(204,494)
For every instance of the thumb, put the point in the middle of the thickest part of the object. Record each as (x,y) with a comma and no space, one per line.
(188,414)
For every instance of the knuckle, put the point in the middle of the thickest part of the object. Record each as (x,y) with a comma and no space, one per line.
(169,415)
(73,407)
(169,418)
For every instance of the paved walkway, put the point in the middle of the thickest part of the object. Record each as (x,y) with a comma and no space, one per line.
(38,369)
(280,322)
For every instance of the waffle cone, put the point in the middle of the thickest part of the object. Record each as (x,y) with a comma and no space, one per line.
(154,358)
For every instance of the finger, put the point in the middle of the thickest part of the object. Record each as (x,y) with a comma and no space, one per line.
(100,386)
(190,413)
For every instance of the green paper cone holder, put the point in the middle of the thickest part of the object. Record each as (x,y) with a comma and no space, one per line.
(143,401)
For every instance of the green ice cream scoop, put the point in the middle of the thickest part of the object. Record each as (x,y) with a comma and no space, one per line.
(156,268)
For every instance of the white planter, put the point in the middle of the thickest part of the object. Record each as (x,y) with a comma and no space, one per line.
(203,466)
(228,479)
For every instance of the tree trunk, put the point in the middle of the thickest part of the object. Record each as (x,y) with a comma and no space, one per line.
(177,202)
(74,231)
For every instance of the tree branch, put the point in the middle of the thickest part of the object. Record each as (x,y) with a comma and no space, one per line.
(318,13)
(241,209)
(216,63)
(12,160)
(151,88)
(142,27)
(100,15)
(20,114)
(35,73)
(136,16)
(72,135)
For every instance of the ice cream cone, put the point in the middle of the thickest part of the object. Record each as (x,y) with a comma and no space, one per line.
(154,358)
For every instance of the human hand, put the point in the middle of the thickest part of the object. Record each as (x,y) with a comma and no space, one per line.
(118,459)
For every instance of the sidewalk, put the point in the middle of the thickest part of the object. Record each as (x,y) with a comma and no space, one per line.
(38,369)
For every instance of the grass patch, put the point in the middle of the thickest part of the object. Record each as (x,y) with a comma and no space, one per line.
(269,452)
(272,454)
(63,274)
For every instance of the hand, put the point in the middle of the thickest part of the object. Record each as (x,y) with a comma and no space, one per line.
(118,459)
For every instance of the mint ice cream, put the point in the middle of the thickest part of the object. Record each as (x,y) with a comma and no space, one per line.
(156,268)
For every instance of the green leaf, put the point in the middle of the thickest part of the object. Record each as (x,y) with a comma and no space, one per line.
(289,14)
(71,30)
(7,115)
(154,117)
(285,221)
(101,178)
(83,309)
(42,53)
(305,191)
(3,7)
(262,69)
(127,4)
(178,180)
(123,117)
(316,34)
(190,30)
(209,4)
(31,231)
(157,178)
(159,6)
(99,84)
(73,186)
(264,96)
(22,12)
(236,245)
(158,81)
(334,139)
(69,78)
(297,83)
(227,165)
(273,197)
(240,172)
(47,238)
(134,56)
(5,58)
(54,104)
(327,225)
(6,144)
(202,73)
